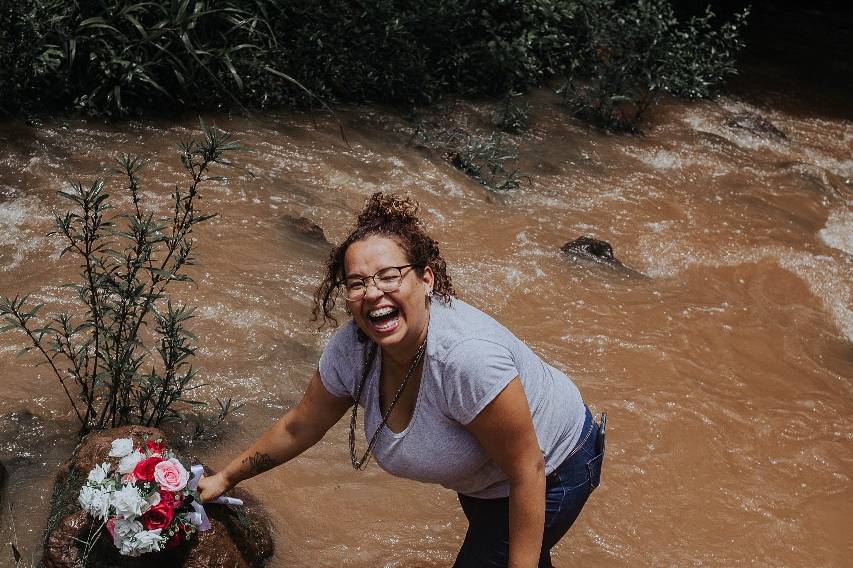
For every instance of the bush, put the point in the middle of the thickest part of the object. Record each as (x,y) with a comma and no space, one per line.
(25,61)
(127,262)
(636,50)
(115,56)
(119,56)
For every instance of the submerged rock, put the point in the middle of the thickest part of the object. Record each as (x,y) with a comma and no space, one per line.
(304,227)
(756,124)
(600,253)
(240,537)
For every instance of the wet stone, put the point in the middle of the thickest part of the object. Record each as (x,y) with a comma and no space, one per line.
(590,251)
(756,124)
(304,227)
(240,537)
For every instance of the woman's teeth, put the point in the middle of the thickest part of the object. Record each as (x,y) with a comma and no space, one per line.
(384,319)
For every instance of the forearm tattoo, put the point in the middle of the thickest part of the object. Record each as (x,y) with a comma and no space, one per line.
(259,463)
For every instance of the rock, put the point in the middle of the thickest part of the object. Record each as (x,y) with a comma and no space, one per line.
(3,476)
(306,228)
(588,247)
(239,537)
(598,252)
(755,124)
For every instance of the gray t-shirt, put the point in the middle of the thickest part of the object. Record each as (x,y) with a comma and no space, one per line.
(470,359)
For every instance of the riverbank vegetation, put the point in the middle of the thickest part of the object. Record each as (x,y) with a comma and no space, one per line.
(119,58)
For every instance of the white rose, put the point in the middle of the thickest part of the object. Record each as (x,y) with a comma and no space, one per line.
(142,542)
(127,502)
(128,462)
(95,502)
(124,529)
(121,447)
(99,473)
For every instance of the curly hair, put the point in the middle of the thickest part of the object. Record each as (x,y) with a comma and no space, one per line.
(392,216)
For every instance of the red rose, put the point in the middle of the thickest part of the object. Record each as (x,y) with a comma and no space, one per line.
(153,447)
(144,470)
(158,517)
(170,499)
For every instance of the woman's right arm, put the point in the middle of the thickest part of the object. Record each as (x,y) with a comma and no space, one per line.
(293,433)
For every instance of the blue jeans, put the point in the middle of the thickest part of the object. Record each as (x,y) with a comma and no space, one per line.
(567,488)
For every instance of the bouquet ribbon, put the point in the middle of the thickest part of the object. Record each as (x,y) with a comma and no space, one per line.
(199,517)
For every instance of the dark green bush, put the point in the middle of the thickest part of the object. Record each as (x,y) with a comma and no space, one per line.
(392,50)
(119,56)
(115,56)
(26,63)
(635,50)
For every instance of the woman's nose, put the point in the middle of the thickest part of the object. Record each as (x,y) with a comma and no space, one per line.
(372,291)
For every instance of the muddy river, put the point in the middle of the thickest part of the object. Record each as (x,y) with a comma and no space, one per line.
(726,366)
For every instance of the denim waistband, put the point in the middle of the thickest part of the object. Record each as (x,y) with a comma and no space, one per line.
(585,437)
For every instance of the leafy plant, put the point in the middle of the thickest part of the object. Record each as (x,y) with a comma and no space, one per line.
(635,50)
(487,161)
(127,261)
(119,56)
(513,114)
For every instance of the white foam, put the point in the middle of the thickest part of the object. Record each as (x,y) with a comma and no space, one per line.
(17,218)
(838,232)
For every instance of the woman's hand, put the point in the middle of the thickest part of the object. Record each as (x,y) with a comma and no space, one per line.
(209,488)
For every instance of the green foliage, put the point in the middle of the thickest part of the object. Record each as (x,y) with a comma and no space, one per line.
(99,355)
(118,57)
(513,115)
(25,61)
(635,50)
(414,52)
(486,160)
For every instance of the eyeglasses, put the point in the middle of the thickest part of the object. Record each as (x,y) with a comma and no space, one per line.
(388,280)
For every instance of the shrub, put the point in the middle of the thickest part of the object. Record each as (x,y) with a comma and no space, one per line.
(635,50)
(513,114)
(117,56)
(25,60)
(486,160)
(127,262)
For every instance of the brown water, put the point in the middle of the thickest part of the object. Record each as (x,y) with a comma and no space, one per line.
(727,375)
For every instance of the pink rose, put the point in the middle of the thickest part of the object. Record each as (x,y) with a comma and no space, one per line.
(171,475)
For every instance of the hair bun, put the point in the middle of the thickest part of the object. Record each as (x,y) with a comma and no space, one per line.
(388,207)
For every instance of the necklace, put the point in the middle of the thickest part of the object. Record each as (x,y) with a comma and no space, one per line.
(369,355)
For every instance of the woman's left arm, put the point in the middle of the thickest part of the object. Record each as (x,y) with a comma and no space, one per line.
(505,430)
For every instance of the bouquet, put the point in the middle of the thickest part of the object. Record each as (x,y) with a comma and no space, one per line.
(145,497)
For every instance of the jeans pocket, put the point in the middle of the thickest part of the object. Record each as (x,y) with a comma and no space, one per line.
(593,466)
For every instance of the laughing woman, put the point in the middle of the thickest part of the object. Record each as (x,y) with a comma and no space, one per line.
(449,396)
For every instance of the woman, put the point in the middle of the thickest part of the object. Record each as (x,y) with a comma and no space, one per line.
(449,396)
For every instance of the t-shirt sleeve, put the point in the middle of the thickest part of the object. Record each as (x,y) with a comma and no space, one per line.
(475,372)
(337,372)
